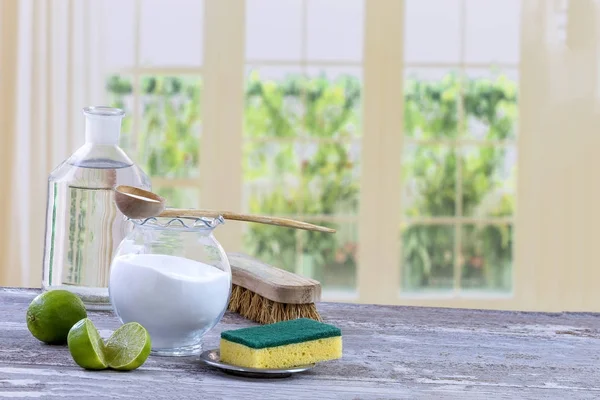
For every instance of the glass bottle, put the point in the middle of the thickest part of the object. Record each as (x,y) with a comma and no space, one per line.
(173,277)
(83,225)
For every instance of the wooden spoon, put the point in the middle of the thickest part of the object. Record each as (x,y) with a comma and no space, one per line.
(136,203)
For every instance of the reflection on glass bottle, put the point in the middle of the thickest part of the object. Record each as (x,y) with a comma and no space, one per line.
(83,226)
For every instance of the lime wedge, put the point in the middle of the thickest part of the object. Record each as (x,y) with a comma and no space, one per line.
(128,347)
(86,345)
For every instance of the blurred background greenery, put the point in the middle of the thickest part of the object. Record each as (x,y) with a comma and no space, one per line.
(302,159)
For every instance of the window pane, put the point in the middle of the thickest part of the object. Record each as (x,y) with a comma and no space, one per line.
(180,197)
(117,33)
(432,31)
(329,258)
(272,178)
(273,29)
(332,102)
(272,244)
(330,179)
(321,103)
(274,103)
(429,181)
(169,133)
(335,30)
(171,32)
(490,104)
(492,31)
(486,257)
(488,181)
(119,90)
(431,103)
(428,258)
(301,178)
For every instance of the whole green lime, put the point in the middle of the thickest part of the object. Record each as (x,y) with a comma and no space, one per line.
(52,314)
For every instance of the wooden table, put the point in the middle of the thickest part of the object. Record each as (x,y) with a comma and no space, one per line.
(389,353)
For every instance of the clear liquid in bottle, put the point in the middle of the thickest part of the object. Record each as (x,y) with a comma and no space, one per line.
(83,226)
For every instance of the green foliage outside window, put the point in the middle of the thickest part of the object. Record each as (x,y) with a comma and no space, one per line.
(312,166)
(432,113)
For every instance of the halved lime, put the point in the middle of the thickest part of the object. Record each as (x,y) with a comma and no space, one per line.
(86,345)
(128,347)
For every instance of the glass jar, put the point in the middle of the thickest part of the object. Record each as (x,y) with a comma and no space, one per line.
(172,276)
(83,224)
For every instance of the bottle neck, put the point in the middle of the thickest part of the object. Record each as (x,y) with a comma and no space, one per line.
(103,131)
(102,125)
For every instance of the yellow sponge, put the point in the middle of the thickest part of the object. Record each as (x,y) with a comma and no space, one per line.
(282,344)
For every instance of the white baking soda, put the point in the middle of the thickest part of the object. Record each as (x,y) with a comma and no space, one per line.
(176,299)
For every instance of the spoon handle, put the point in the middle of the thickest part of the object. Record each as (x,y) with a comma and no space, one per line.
(181,212)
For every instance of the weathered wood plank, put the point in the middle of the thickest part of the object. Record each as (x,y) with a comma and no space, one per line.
(389,352)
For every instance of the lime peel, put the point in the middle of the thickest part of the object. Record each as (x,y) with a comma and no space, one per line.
(52,314)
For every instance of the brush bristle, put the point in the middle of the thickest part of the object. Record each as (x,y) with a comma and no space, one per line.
(264,311)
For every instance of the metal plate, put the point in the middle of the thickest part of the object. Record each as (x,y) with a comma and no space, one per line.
(212,358)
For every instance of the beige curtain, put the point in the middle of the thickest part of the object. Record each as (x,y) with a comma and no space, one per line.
(559,190)
(10,269)
(45,48)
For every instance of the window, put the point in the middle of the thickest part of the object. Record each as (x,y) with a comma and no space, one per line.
(156,76)
(459,159)
(302,142)
(302,134)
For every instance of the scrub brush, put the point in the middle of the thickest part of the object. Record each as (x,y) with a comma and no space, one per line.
(267,294)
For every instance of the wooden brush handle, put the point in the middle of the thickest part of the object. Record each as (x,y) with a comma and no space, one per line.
(290,223)
(271,282)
